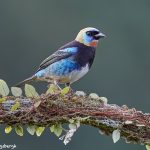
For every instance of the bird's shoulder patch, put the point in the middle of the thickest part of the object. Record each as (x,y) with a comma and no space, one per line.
(69,50)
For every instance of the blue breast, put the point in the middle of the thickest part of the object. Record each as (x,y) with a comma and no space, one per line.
(60,68)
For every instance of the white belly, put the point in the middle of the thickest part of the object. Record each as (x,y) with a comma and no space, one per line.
(76,75)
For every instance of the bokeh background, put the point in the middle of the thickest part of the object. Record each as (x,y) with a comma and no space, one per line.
(32,30)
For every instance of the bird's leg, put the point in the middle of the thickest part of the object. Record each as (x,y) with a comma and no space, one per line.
(49,83)
(55,83)
(68,85)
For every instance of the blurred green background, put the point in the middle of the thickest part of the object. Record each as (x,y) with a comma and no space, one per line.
(31,30)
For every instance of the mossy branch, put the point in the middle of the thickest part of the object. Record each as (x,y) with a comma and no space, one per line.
(49,109)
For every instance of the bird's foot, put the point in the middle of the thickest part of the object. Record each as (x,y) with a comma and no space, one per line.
(56,84)
(70,89)
(58,87)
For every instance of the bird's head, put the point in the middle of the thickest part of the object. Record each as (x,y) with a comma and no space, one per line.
(89,36)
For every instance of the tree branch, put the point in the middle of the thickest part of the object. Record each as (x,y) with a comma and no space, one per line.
(55,108)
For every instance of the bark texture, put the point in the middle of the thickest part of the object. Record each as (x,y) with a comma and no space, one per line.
(55,108)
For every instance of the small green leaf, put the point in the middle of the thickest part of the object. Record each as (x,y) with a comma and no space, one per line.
(148,147)
(4,90)
(39,130)
(15,106)
(2,100)
(8,129)
(31,129)
(80,93)
(16,91)
(58,130)
(36,104)
(104,99)
(52,128)
(30,91)
(52,89)
(65,90)
(19,130)
(94,96)
(116,135)
(71,120)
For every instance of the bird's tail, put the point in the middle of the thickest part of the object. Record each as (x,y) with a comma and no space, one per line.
(28,80)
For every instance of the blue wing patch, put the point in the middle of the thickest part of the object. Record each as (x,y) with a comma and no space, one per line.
(69,50)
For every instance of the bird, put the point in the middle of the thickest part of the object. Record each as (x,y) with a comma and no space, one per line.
(70,62)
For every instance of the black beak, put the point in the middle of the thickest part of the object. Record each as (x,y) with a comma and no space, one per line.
(99,35)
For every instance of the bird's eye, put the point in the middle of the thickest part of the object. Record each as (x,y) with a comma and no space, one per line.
(92,33)
(89,33)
